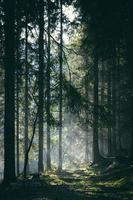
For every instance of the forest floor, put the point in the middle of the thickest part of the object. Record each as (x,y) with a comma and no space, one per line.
(83,184)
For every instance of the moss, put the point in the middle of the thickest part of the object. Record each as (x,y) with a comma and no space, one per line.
(92,182)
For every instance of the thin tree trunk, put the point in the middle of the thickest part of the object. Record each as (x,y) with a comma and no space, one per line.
(114,102)
(9,116)
(102,104)
(17,123)
(109,112)
(96,153)
(60,90)
(48,94)
(26,99)
(41,84)
(29,147)
(17,98)
(87,120)
(119,148)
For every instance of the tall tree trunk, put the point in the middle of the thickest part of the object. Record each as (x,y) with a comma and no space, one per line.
(26,99)
(17,94)
(119,148)
(87,120)
(48,93)
(60,90)
(9,116)
(41,84)
(109,112)
(30,145)
(96,153)
(17,122)
(114,102)
(129,61)
(101,135)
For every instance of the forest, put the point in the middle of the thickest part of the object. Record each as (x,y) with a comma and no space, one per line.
(66,100)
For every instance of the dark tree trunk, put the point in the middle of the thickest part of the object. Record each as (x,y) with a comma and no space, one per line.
(118,102)
(96,153)
(30,145)
(60,91)
(17,94)
(109,112)
(87,119)
(114,102)
(17,122)
(129,60)
(48,94)
(101,135)
(41,84)
(26,99)
(9,117)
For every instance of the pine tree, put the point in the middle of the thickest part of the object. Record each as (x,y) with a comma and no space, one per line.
(41,84)
(48,90)
(9,124)
(26,131)
(96,153)
(60,87)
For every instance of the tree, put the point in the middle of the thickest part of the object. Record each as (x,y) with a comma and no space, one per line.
(41,84)
(17,86)
(114,101)
(87,118)
(96,153)
(48,90)
(9,117)
(60,88)
(26,96)
(109,110)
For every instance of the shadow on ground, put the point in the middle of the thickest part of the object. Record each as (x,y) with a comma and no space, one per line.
(78,185)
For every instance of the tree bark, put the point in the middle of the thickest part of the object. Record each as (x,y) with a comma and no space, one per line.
(96,153)
(17,93)
(109,112)
(114,102)
(9,116)
(118,101)
(102,104)
(87,120)
(29,147)
(26,98)
(60,90)
(48,93)
(41,84)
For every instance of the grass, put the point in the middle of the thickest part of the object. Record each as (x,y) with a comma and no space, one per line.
(91,183)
